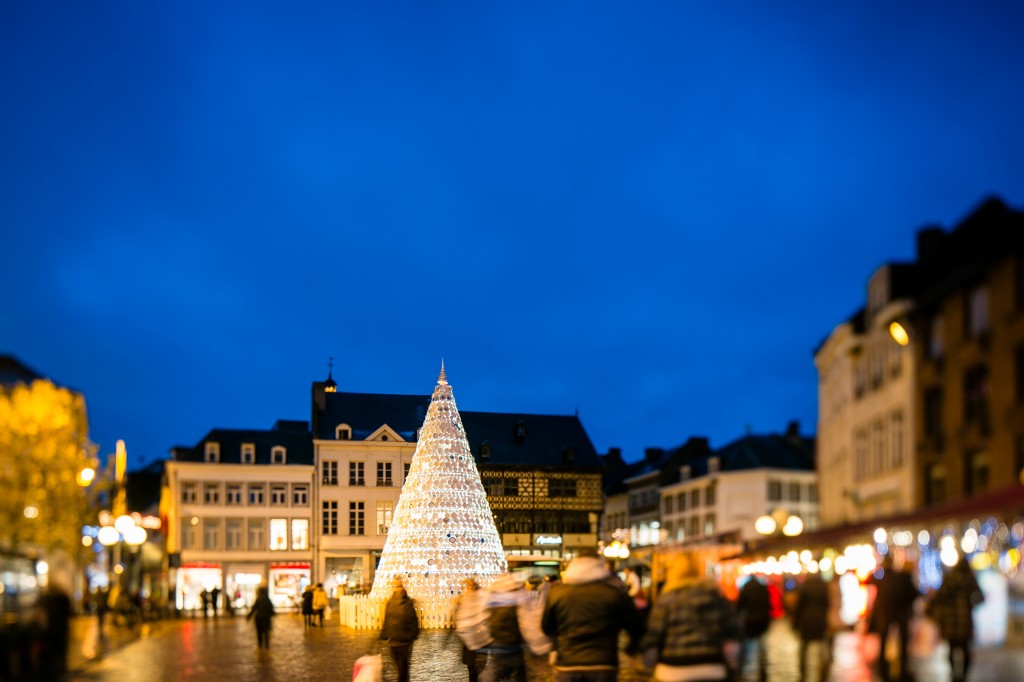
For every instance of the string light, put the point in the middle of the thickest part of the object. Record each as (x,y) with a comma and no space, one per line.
(442,531)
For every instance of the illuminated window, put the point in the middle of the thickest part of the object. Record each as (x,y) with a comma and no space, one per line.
(300,533)
(384,511)
(278,533)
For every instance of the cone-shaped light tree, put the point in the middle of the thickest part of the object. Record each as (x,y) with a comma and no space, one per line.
(442,531)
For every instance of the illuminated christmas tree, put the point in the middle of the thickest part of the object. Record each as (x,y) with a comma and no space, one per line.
(442,531)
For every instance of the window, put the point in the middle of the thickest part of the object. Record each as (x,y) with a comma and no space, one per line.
(681,500)
(936,339)
(278,534)
(300,533)
(935,490)
(976,314)
(812,492)
(709,524)
(933,415)
(355,474)
(501,487)
(356,512)
(211,533)
(861,465)
(343,432)
(330,517)
(774,491)
(189,493)
(329,471)
(794,491)
(211,493)
(248,453)
(485,452)
(300,495)
(976,392)
(384,511)
(256,538)
(405,471)
(212,453)
(234,494)
(977,467)
(278,494)
(256,493)
(383,474)
(561,487)
(709,495)
(278,455)
(188,534)
(668,505)
(695,498)
(878,447)
(713,465)
(233,535)
(898,438)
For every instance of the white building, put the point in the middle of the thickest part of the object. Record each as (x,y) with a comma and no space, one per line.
(865,407)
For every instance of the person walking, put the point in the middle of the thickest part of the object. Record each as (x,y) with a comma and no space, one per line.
(951,607)
(471,625)
(895,594)
(505,651)
(811,621)
(690,625)
(584,615)
(262,612)
(320,602)
(307,606)
(753,606)
(401,628)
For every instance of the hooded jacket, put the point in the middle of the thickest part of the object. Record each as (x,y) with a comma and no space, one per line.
(585,614)
(689,624)
(401,625)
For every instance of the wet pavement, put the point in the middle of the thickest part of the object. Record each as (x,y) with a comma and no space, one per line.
(225,649)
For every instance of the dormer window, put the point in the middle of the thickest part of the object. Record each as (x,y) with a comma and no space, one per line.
(343,432)
(685,472)
(248,453)
(485,451)
(713,465)
(277,455)
(212,454)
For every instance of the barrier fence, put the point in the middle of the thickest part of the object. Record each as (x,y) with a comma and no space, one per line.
(360,612)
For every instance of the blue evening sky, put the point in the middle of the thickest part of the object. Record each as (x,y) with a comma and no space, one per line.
(648,212)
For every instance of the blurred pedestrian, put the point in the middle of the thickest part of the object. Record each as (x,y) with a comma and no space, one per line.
(320,602)
(895,594)
(690,626)
(206,597)
(262,612)
(753,606)
(505,650)
(55,605)
(811,621)
(471,617)
(215,600)
(583,616)
(401,628)
(307,606)
(952,607)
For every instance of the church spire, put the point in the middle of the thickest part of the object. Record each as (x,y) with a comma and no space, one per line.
(330,386)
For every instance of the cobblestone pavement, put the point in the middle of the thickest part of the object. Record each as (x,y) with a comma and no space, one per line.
(225,649)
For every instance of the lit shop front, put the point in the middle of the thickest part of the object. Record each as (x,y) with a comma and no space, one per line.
(287,580)
(193,578)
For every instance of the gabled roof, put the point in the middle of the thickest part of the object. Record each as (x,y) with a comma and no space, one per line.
(298,445)
(776,451)
(14,371)
(548,440)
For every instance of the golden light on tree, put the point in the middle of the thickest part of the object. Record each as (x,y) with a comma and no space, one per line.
(44,448)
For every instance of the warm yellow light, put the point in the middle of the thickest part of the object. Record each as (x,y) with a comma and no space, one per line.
(119,569)
(898,333)
(86,541)
(31,512)
(765,525)
(794,526)
(108,536)
(124,523)
(194,521)
(86,476)
(135,536)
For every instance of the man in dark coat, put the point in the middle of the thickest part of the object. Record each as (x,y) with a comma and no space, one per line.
(810,619)
(894,605)
(401,628)
(584,616)
(754,609)
(262,612)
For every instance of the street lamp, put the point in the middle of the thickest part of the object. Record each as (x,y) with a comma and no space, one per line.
(779,521)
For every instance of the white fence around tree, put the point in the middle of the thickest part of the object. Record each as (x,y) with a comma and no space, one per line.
(362,613)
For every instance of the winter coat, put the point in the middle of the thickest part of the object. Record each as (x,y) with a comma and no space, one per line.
(584,615)
(319,599)
(262,611)
(811,614)
(307,602)
(894,599)
(503,619)
(754,606)
(401,625)
(690,623)
(953,604)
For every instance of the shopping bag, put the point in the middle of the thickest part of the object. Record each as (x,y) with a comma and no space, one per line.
(367,669)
